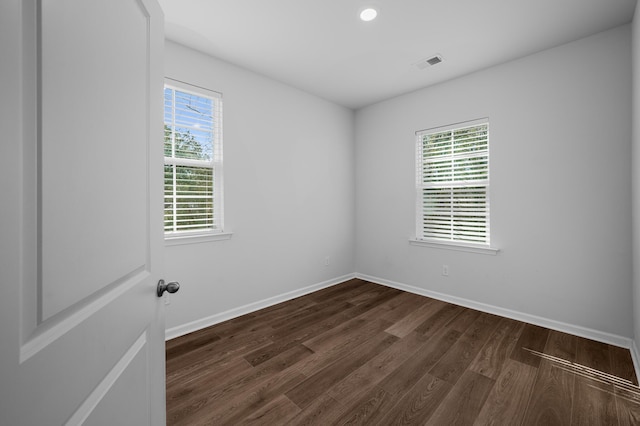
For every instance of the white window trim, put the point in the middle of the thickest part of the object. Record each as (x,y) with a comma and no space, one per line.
(441,243)
(199,236)
(196,238)
(454,245)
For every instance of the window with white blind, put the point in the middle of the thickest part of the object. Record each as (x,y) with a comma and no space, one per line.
(453,184)
(192,160)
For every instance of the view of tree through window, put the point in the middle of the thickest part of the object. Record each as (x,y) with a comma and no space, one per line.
(191,148)
(453,184)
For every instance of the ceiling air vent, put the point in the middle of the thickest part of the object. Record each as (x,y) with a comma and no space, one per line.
(429,62)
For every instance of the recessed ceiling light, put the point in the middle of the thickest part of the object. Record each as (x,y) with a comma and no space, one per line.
(368,14)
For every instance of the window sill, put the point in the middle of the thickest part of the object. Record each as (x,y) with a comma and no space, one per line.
(470,248)
(196,238)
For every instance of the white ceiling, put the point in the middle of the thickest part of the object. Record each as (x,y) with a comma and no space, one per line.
(320,46)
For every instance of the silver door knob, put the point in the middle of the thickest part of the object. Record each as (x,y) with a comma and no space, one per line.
(171,287)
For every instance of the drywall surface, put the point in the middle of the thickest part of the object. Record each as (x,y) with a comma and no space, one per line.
(560,132)
(636,173)
(288,193)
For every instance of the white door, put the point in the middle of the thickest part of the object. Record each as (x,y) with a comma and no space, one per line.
(81,328)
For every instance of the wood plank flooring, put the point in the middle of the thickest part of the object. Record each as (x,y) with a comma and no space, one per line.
(360,353)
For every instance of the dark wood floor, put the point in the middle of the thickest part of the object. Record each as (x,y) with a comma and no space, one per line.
(360,353)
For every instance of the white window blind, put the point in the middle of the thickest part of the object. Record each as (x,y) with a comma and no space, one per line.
(453,183)
(192,160)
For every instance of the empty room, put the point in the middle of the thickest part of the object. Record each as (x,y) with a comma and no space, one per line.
(320,212)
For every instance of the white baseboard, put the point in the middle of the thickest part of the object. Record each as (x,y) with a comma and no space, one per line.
(635,356)
(600,336)
(588,333)
(190,327)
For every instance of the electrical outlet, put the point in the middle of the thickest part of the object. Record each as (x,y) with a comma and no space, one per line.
(326,261)
(445,270)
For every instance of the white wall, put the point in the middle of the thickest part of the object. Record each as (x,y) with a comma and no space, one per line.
(560,126)
(636,175)
(288,187)
(560,189)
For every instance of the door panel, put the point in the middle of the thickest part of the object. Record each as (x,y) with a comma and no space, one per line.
(110,403)
(82,338)
(93,94)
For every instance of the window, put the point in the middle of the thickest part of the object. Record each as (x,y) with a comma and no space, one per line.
(192,160)
(453,184)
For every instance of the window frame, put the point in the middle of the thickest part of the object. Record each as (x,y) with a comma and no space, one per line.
(451,243)
(217,232)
